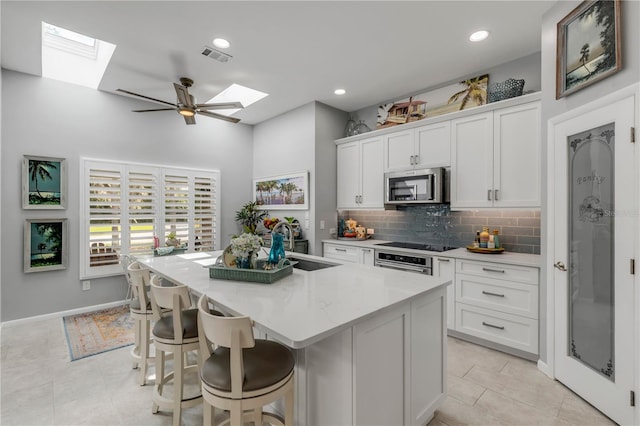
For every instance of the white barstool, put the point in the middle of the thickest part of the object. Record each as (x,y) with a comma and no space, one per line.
(141,312)
(175,332)
(242,373)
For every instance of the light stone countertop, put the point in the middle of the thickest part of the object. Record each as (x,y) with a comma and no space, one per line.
(518,259)
(304,307)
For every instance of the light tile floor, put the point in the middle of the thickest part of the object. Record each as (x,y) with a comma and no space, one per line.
(40,386)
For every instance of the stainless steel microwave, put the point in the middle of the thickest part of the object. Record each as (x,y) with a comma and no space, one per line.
(421,186)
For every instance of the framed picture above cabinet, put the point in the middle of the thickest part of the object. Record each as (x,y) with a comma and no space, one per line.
(588,46)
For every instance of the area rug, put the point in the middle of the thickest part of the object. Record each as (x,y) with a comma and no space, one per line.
(96,332)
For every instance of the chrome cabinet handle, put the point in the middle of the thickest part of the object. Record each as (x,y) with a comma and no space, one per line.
(416,159)
(495,194)
(559,265)
(492,326)
(488,293)
(340,249)
(501,271)
(488,195)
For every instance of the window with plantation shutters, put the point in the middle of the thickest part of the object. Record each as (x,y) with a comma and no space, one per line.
(124,206)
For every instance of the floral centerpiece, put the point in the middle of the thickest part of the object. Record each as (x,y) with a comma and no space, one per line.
(244,247)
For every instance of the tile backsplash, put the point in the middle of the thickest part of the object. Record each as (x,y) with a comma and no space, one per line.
(436,224)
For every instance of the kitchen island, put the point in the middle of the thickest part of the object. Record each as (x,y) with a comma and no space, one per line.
(370,343)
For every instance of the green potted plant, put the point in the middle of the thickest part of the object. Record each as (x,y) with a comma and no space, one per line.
(172,240)
(249,216)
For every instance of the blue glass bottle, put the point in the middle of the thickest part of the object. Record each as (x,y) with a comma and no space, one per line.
(277,248)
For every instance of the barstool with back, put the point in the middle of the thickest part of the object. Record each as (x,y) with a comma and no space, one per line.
(242,373)
(141,312)
(183,318)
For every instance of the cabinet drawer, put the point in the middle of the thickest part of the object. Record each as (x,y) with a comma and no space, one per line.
(504,296)
(498,271)
(510,330)
(345,253)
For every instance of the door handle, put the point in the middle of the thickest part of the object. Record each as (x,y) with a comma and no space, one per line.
(559,265)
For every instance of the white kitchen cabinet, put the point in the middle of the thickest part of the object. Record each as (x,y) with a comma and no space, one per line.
(422,147)
(360,175)
(444,267)
(349,253)
(498,303)
(495,158)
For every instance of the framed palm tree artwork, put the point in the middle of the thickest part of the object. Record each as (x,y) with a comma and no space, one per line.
(44,183)
(588,46)
(46,246)
(286,192)
(465,94)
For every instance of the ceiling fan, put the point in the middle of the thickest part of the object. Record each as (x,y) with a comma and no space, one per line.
(186,105)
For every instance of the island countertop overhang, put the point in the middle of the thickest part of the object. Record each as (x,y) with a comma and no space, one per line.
(306,306)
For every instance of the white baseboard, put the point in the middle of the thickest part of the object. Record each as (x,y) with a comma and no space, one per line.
(61,314)
(542,366)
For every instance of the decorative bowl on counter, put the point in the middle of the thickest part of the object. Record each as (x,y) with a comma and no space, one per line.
(485,250)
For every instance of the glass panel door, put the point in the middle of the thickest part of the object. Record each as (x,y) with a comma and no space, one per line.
(591,306)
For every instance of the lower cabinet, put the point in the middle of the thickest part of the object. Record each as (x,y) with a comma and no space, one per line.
(384,370)
(498,303)
(348,253)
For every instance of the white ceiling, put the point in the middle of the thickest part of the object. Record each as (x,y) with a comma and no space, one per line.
(297,51)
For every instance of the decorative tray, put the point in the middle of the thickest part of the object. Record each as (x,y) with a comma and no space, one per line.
(485,250)
(354,238)
(222,272)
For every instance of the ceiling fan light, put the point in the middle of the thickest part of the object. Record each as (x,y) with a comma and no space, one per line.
(186,112)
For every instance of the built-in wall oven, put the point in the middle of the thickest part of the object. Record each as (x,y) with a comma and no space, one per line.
(387,257)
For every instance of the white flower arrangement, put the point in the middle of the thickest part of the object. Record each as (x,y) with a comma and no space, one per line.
(245,244)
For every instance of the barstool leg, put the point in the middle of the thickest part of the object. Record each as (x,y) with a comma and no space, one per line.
(136,341)
(159,376)
(178,377)
(144,351)
(288,408)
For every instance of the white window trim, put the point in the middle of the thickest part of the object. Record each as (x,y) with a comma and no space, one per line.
(159,171)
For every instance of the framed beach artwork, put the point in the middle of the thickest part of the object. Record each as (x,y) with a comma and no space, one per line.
(588,46)
(44,183)
(45,245)
(286,192)
(465,94)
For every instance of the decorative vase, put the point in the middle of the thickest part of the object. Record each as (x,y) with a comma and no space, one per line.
(361,128)
(173,242)
(277,248)
(350,127)
(243,262)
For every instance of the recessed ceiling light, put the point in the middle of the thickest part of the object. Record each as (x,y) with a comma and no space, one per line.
(221,43)
(339,91)
(479,35)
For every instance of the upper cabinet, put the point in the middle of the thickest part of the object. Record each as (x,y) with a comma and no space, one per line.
(360,175)
(495,158)
(420,147)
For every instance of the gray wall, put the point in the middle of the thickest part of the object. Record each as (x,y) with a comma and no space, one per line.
(551,107)
(50,118)
(302,139)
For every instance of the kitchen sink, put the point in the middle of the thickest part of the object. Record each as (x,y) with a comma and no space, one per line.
(310,265)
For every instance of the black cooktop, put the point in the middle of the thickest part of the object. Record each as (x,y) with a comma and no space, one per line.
(416,246)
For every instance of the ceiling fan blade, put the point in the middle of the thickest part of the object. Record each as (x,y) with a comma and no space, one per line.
(219,116)
(221,105)
(147,98)
(190,120)
(183,95)
(151,110)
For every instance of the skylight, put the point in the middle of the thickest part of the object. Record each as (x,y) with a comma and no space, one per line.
(236,92)
(73,57)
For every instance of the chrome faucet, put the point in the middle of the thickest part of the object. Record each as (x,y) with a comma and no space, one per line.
(290,228)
